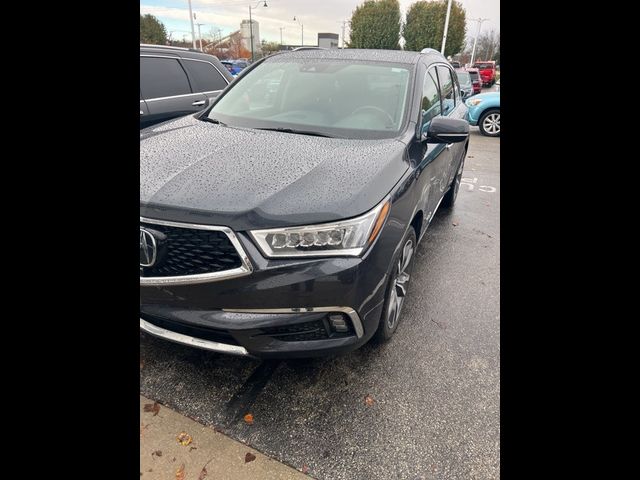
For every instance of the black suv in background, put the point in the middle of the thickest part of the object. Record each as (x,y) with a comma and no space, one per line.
(177,81)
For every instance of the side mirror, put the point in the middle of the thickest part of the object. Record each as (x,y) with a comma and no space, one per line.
(447,130)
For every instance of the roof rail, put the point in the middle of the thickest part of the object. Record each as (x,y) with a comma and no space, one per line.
(308,48)
(169,47)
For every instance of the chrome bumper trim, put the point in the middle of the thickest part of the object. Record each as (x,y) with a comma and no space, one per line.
(191,341)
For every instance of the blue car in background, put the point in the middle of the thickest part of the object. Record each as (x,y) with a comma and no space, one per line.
(234,66)
(484,112)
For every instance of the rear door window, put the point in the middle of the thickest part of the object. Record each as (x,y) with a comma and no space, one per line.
(205,76)
(162,77)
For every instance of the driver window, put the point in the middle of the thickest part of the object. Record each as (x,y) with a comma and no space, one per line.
(430,100)
(446,85)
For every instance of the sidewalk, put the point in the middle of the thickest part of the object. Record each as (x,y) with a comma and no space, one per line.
(204,454)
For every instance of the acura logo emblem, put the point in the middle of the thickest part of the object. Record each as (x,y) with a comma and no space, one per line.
(148,248)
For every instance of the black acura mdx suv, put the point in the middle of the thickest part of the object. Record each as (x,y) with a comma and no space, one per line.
(283,220)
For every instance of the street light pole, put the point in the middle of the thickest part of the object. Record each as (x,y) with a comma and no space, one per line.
(200,36)
(251,23)
(473,52)
(193,30)
(281,28)
(446,28)
(302,27)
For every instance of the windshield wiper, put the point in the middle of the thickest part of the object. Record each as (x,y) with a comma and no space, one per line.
(213,120)
(299,132)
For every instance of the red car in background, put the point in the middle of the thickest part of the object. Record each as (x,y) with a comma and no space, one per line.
(474,73)
(487,72)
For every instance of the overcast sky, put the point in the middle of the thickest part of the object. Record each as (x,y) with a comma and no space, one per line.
(316,16)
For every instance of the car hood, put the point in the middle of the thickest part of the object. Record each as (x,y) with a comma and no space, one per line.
(198,172)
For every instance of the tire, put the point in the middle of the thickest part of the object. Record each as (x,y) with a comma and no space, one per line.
(396,291)
(492,127)
(449,198)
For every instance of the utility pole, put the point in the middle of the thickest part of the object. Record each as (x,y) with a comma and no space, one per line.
(446,28)
(301,26)
(344,24)
(193,30)
(200,36)
(281,28)
(473,52)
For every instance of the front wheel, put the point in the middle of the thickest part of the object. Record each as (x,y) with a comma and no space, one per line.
(397,288)
(489,123)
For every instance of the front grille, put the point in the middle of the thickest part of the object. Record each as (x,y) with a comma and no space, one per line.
(188,251)
(205,333)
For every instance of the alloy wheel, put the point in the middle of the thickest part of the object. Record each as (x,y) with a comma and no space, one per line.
(400,284)
(491,123)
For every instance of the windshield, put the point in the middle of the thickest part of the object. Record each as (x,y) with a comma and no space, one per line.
(326,96)
(464,79)
(483,66)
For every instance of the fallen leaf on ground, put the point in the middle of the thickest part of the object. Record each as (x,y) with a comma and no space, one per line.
(152,407)
(184,438)
(203,473)
(305,469)
(369,400)
(248,418)
(455,224)
(157,453)
(180,473)
(249,457)
(192,448)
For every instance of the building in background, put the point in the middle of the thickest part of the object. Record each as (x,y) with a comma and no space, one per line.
(328,40)
(246,35)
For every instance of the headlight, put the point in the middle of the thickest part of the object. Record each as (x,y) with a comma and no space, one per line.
(347,237)
(472,102)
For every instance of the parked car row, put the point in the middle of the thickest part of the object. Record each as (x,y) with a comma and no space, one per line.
(283,219)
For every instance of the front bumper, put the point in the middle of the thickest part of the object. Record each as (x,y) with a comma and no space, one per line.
(282,308)
(472,116)
(261,333)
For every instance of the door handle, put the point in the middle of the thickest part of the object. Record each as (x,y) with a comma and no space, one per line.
(141,112)
(199,103)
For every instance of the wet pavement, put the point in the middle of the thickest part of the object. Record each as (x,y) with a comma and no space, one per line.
(435,386)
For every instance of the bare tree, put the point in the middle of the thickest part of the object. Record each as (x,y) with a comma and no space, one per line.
(488,46)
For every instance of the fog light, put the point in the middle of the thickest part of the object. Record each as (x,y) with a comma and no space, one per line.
(338,323)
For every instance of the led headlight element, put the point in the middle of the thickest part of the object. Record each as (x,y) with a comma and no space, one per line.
(347,237)
(473,102)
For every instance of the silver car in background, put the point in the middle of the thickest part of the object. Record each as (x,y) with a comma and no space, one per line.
(464,79)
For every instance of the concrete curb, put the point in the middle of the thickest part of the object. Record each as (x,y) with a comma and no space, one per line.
(204,454)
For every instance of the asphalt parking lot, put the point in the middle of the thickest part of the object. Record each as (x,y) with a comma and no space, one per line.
(435,386)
